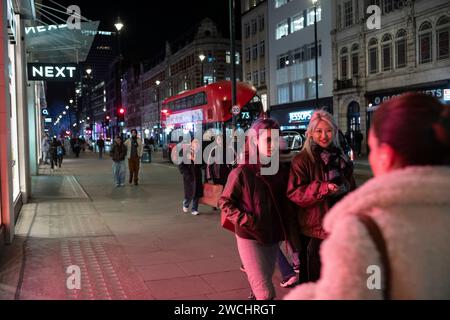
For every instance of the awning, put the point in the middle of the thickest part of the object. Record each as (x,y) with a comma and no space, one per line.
(58,43)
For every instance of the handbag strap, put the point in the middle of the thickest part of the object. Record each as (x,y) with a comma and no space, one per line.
(377,237)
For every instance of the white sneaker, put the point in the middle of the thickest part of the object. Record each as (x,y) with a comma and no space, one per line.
(289,282)
(185,210)
(195,213)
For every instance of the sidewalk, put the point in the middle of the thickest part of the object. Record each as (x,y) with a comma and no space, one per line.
(129,243)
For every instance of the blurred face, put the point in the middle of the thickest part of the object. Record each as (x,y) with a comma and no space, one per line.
(266,144)
(118,140)
(323,134)
(134,134)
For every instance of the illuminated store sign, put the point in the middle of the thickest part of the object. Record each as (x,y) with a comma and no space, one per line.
(301,116)
(53,72)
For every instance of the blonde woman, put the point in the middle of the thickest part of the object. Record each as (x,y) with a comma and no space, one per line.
(320,176)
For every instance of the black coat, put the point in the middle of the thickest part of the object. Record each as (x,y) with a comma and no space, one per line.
(192,180)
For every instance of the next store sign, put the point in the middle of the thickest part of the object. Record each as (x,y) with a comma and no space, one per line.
(53,72)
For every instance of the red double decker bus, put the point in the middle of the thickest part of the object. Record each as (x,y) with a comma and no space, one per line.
(209,107)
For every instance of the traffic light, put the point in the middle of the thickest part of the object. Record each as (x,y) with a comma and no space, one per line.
(121,115)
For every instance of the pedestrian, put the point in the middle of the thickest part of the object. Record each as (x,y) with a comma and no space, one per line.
(321,174)
(135,149)
(152,143)
(76,147)
(45,147)
(53,151)
(101,147)
(217,168)
(67,147)
(258,208)
(358,142)
(407,201)
(60,152)
(192,178)
(118,154)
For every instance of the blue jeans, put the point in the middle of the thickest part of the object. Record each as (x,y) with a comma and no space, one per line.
(119,172)
(187,202)
(259,262)
(286,269)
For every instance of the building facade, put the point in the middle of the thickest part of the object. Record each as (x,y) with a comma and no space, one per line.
(182,69)
(21,116)
(292,55)
(410,52)
(255,52)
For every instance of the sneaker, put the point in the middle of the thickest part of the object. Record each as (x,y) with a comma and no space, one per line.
(122,185)
(195,213)
(185,210)
(117,185)
(289,282)
(242,268)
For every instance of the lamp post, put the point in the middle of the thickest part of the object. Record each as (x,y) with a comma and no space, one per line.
(316,53)
(157,82)
(202,58)
(119,25)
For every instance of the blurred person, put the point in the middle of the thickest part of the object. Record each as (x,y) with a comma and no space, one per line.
(101,147)
(45,147)
(321,174)
(258,208)
(399,220)
(135,149)
(192,179)
(118,153)
(60,152)
(53,151)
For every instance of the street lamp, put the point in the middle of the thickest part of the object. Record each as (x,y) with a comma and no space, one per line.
(202,58)
(316,53)
(119,25)
(89,71)
(157,82)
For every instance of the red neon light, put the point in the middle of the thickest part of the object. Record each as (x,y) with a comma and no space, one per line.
(121,110)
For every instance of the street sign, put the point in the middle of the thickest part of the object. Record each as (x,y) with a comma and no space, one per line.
(235,110)
(53,72)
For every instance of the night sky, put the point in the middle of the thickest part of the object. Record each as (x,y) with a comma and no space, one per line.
(148,25)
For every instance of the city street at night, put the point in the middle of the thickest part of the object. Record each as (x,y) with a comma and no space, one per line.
(133,242)
(264,153)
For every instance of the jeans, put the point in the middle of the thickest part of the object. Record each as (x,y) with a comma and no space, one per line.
(259,262)
(119,172)
(286,269)
(187,202)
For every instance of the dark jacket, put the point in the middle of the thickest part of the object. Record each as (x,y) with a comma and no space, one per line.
(308,188)
(192,180)
(54,148)
(257,205)
(118,152)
